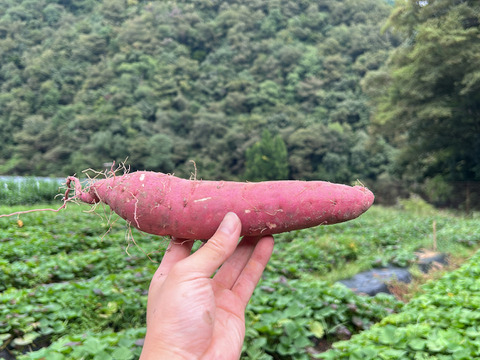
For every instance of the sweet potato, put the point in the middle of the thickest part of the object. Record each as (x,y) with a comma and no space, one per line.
(163,204)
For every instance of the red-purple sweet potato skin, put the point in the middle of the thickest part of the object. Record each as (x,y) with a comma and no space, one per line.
(163,204)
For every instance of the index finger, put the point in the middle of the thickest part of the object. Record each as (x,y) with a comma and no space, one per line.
(206,260)
(177,250)
(252,272)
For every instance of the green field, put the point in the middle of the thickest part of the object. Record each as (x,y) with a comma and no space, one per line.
(73,284)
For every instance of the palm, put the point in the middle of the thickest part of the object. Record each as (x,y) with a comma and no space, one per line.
(212,321)
(195,316)
(228,329)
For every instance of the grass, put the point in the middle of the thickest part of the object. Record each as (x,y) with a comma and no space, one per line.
(28,191)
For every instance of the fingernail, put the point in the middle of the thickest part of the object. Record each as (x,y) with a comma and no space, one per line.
(229,223)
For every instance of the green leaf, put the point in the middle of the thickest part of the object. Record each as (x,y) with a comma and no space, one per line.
(285,340)
(462,354)
(93,346)
(294,310)
(316,328)
(4,337)
(417,344)
(103,355)
(472,332)
(302,342)
(27,339)
(388,335)
(284,349)
(291,329)
(45,354)
(55,356)
(436,344)
(122,353)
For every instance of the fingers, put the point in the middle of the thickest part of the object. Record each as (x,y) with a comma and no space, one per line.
(249,277)
(242,266)
(206,260)
(177,250)
(228,273)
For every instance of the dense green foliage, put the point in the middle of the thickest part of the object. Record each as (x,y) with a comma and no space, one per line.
(440,323)
(73,280)
(267,159)
(427,97)
(83,83)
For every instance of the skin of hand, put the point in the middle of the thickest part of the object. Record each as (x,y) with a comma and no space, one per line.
(194,315)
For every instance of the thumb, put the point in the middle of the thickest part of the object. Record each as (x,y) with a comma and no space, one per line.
(221,245)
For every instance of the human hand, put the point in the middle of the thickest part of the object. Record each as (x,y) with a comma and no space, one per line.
(192,315)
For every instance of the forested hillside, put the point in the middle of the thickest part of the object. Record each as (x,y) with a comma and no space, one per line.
(427,98)
(85,82)
(337,90)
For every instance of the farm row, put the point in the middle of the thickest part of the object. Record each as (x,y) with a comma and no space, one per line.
(73,285)
(28,190)
(439,323)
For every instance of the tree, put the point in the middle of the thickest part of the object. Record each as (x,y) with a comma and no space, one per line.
(267,159)
(430,103)
(321,152)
